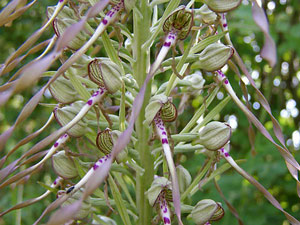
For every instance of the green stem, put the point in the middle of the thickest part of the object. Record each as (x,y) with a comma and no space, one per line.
(141,56)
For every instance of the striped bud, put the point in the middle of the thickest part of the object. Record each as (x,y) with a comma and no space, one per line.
(195,82)
(160,103)
(105,73)
(63,91)
(64,115)
(221,6)
(184,178)
(207,210)
(86,207)
(207,16)
(63,165)
(61,24)
(179,21)
(214,57)
(159,185)
(215,135)
(105,141)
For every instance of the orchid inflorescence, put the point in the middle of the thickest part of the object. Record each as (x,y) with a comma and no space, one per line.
(118,129)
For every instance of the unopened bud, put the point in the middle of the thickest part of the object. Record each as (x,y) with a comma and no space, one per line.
(195,82)
(105,73)
(179,21)
(215,135)
(160,103)
(65,115)
(184,178)
(85,209)
(221,6)
(207,16)
(63,91)
(207,210)
(63,165)
(105,141)
(159,184)
(214,57)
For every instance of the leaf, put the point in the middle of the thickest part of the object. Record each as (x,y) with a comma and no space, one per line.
(207,41)
(268,51)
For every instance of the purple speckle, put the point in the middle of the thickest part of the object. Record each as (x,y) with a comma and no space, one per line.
(101,91)
(95,94)
(164,133)
(61,0)
(165,210)
(225,25)
(100,160)
(226,82)
(55,182)
(167,44)
(162,128)
(95,166)
(167,220)
(104,21)
(90,102)
(222,149)
(226,154)
(65,135)
(56,144)
(164,141)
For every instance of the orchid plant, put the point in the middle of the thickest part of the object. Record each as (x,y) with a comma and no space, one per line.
(120,132)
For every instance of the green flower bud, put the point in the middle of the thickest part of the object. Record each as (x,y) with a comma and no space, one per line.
(222,5)
(207,16)
(86,207)
(77,106)
(80,66)
(214,57)
(159,184)
(215,135)
(63,91)
(105,73)
(195,82)
(65,115)
(63,165)
(184,178)
(105,141)
(160,103)
(207,210)
(180,21)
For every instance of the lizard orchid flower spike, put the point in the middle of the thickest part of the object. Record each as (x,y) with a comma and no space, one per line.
(177,26)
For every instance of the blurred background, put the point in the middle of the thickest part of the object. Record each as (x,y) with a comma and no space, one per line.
(280,85)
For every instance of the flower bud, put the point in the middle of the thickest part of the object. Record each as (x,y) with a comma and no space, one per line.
(105,141)
(159,184)
(207,210)
(207,16)
(63,165)
(80,66)
(63,91)
(195,82)
(65,115)
(179,21)
(105,73)
(60,25)
(221,6)
(85,209)
(184,178)
(215,135)
(214,57)
(160,103)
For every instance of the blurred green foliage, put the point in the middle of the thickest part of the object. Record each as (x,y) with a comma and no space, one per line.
(267,166)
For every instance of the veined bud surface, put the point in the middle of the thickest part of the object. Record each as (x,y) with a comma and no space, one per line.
(214,57)
(184,178)
(65,115)
(86,207)
(179,21)
(196,82)
(105,142)
(63,91)
(221,6)
(207,16)
(159,185)
(105,73)
(207,210)
(160,103)
(63,165)
(215,135)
